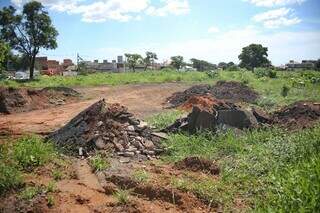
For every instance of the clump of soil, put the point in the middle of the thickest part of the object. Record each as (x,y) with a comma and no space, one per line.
(205,101)
(197,164)
(107,127)
(13,100)
(301,114)
(231,91)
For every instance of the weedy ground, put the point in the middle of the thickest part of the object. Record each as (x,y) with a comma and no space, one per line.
(266,170)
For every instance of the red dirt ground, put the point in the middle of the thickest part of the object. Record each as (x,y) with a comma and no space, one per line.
(150,96)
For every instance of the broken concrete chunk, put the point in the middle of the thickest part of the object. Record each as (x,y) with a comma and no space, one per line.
(100,143)
(240,119)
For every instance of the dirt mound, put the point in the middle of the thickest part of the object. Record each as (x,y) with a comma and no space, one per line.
(231,91)
(204,101)
(197,164)
(14,100)
(298,115)
(107,127)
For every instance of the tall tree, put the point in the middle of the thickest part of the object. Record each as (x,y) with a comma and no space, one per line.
(177,62)
(133,60)
(254,55)
(4,55)
(149,59)
(29,31)
(202,65)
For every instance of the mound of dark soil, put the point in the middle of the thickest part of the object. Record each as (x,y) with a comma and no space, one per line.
(197,164)
(106,127)
(231,91)
(298,115)
(13,100)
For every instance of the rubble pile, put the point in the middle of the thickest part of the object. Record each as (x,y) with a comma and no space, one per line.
(301,114)
(13,100)
(231,91)
(107,127)
(219,115)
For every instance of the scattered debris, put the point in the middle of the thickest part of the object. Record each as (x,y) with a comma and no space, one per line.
(231,91)
(218,114)
(196,164)
(298,115)
(13,100)
(107,127)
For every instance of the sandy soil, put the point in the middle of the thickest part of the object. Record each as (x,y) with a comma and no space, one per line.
(143,100)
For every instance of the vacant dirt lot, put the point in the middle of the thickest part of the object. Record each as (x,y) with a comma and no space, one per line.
(143,100)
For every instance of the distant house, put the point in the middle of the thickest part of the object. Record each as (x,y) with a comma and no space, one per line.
(305,64)
(105,66)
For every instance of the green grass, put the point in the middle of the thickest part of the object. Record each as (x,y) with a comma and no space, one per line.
(99,163)
(22,155)
(30,192)
(111,79)
(122,196)
(32,151)
(162,120)
(264,168)
(141,176)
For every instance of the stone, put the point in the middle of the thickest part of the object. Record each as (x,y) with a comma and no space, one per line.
(128,154)
(148,152)
(100,143)
(240,119)
(160,135)
(201,119)
(261,116)
(131,149)
(148,144)
(118,147)
(137,144)
(100,123)
(130,128)
(143,124)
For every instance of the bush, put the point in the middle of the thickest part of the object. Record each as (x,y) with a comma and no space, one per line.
(265,72)
(212,74)
(31,151)
(285,90)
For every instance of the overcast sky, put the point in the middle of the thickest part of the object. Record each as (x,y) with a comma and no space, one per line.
(213,30)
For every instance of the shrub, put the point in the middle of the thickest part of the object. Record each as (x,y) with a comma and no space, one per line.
(31,151)
(212,74)
(265,72)
(285,90)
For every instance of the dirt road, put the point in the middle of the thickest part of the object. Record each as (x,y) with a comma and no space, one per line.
(143,100)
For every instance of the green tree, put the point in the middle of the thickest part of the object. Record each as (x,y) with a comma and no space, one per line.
(133,60)
(202,65)
(4,54)
(254,55)
(149,59)
(177,62)
(29,31)
(318,64)
(223,65)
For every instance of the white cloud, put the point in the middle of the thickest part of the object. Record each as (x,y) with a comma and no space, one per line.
(273,3)
(175,7)
(119,10)
(277,18)
(213,29)
(226,46)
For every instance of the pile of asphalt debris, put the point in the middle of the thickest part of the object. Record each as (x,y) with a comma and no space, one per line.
(226,90)
(108,127)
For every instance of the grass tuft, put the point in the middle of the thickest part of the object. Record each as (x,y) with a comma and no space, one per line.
(122,196)
(98,163)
